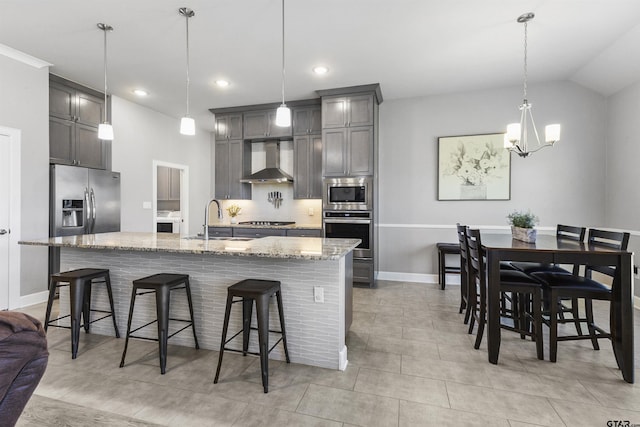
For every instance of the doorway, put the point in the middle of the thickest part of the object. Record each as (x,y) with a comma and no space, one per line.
(170,197)
(9,218)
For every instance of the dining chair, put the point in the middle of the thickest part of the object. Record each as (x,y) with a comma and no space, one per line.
(464,271)
(563,232)
(573,286)
(525,297)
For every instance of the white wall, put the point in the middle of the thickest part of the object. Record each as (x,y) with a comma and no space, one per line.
(563,184)
(24,105)
(142,135)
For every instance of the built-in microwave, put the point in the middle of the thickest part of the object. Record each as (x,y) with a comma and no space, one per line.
(347,193)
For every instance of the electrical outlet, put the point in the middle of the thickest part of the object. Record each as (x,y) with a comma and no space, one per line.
(318,294)
(311,212)
(146,205)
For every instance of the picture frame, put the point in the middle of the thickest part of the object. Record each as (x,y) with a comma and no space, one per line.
(474,167)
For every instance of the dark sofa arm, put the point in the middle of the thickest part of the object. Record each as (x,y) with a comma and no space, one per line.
(23,360)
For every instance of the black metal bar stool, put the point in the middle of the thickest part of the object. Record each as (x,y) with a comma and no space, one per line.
(445,249)
(161,284)
(260,291)
(80,282)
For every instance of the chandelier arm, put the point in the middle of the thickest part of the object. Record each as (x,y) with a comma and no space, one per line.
(522,145)
(535,130)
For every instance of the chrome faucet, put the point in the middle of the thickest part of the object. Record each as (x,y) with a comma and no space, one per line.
(206,217)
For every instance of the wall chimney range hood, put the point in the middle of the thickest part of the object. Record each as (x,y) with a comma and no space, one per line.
(271,174)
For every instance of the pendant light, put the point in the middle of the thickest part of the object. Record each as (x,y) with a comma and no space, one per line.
(283,114)
(105,130)
(187,124)
(516,137)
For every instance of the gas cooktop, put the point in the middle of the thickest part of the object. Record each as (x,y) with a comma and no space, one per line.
(274,223)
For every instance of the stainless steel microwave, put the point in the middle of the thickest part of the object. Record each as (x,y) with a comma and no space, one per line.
(347,193)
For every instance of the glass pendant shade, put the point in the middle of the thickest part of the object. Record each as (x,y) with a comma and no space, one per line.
(105,131)
(187,126)
(283,116)
(513,132)
(552,133)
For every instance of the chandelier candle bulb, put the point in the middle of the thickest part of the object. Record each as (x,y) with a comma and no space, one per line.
(552,133)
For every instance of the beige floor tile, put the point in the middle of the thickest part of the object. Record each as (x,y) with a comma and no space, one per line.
(519,424)
(502,404)
(444,370)
(617,394)
(356,339)
(571,369)
(419,415)
(586,415)
(349,406)
(284,392)
(405,387)
(389,362)
(418,349)
(376,308)
(259,416)
(206,409)
(289,373)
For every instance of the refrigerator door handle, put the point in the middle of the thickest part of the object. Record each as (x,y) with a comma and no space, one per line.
(87,209)
(93,208)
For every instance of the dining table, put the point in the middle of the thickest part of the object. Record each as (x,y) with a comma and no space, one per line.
(552,250)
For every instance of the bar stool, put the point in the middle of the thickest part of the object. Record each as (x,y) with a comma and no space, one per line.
(161,284)
(445,249)
(80,282)
(260,291)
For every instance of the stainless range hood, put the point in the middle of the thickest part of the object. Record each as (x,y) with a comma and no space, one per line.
(271,174)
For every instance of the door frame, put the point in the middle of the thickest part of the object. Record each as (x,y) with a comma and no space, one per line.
(15,136)
(184,193)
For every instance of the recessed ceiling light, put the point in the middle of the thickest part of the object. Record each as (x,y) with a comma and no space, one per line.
(222,83)
(320,69)
(140,92)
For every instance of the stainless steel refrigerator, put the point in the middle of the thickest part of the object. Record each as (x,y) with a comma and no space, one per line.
(82,201)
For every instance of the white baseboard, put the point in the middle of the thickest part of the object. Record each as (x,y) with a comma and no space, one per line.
(31,299)
(636,302)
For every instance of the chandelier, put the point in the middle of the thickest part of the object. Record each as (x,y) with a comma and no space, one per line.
(515,140)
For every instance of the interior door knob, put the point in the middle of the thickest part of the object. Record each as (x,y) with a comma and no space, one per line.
(3,231)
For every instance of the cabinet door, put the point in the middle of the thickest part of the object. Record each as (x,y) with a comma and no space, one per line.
(229,126)
(275,130)
(333,152)
(222,170)
(89,150)
(307,120)
(90,109)
(301,167)
(334,112)
(305,232)
(360,151)
(360,110)
(62,101)
(236,171)
(61,136)
(258,232)
(162,183)
(256,125)
(315,171)
(174,184)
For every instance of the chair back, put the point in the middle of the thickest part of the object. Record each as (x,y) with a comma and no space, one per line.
(569,232)
(464,258)
(476,260)
(617,240)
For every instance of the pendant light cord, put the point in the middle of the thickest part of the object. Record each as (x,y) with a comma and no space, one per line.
(525,63)
(188,80)
(282,52)
(105,28)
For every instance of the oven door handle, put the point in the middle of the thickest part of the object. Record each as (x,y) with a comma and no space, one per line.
(347,221)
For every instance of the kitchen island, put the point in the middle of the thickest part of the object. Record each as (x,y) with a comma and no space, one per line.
(315,330)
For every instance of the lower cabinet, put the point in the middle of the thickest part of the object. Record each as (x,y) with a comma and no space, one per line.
(363,272)
(258,232)
(220,232)
(304,232)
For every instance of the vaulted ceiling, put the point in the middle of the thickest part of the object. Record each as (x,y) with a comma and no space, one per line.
(411,47)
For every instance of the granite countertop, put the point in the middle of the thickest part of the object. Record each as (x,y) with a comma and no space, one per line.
(282,227)
(309,248)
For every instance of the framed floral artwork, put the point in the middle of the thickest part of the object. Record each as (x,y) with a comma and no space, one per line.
(474,167)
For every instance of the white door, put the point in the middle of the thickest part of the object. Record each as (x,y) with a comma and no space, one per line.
(4,221)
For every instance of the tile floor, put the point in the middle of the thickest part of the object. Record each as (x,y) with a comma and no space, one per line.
(411,363)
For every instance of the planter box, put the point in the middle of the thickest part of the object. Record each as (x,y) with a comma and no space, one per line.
(524,234)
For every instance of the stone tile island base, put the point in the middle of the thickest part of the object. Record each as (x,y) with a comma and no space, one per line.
(315,331)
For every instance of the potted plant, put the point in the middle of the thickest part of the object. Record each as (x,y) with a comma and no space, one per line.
(234,211)
(522,224)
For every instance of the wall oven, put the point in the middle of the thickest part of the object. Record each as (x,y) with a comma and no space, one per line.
(351,225)
(347,193)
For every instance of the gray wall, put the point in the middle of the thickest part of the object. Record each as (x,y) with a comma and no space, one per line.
(623,175)
(563,184)
(142,135)
(24,105)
